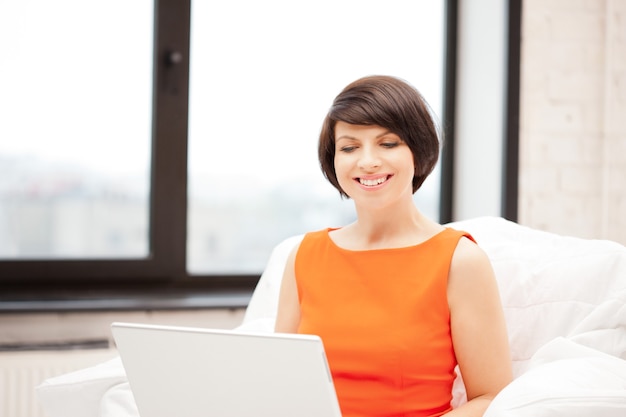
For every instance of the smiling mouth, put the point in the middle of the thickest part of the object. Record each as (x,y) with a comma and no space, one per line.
(372,182)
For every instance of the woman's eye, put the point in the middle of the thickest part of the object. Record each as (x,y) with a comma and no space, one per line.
(347,149)
(389,144)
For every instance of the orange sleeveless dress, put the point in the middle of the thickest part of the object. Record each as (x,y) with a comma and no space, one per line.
(384,319)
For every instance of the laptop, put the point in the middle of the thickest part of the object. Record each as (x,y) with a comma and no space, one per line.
(189,372)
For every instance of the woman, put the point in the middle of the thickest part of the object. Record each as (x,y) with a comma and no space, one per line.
(397,299)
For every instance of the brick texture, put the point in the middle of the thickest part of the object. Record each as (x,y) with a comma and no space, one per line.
(573,118)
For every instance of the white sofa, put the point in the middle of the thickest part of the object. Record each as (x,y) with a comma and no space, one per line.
(565,305)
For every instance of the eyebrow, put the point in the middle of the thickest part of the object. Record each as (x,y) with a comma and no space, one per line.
(386,132)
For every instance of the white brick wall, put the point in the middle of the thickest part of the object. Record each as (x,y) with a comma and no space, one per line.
(573,117)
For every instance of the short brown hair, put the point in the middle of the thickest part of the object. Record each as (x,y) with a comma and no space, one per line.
(390,103)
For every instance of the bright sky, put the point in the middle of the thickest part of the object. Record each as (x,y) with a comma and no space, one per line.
(263,80)
(76,81)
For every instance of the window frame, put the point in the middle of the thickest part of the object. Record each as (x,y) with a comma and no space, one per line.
(154,282)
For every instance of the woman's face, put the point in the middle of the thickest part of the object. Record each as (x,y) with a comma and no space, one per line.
(372,164)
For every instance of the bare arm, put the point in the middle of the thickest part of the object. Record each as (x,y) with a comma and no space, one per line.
(478,328)
(288,316)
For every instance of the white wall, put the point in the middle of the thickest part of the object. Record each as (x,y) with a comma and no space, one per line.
(572,124)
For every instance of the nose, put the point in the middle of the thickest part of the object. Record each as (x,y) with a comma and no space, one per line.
(369,159)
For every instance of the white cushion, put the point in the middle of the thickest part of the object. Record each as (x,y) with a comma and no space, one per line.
(78,393)
(565,380)
(118,401)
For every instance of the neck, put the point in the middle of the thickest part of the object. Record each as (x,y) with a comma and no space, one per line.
(391,226)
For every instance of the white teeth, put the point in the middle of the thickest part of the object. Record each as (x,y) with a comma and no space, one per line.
(371,183)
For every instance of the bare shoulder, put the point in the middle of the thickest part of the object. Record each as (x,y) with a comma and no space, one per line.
(470,269)
(469,251)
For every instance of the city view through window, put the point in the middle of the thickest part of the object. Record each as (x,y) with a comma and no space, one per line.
(75,138)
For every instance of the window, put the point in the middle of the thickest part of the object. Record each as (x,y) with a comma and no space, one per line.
(173,148)
(76,104)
